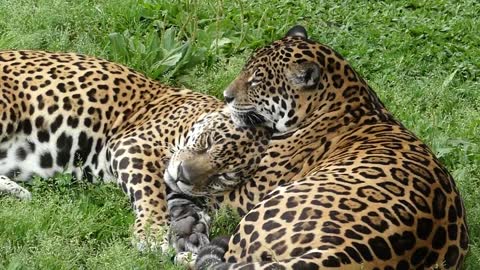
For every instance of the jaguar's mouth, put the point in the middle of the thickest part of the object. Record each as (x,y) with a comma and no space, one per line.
(247,118)
(171,181)
(179,185)
(176,181)
(217,184)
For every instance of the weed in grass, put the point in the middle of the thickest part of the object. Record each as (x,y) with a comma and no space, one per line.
(82,226)
(224,222)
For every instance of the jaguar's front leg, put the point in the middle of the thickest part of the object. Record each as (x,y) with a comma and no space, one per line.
(139,172)
(8,186)
(189,223)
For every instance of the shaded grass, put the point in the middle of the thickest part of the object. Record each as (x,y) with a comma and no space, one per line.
(81,226)
(422,58)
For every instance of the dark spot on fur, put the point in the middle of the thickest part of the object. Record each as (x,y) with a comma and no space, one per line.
(46,160)
(380,248)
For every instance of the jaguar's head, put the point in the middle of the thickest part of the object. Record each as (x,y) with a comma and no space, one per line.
(283,83)
(216,156)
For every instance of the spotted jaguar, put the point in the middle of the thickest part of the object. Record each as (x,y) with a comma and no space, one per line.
(65,112)
(216,156)
(343,184)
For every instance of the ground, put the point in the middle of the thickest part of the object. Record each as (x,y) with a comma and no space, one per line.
(422,58)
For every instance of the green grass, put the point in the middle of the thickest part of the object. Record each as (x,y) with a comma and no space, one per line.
(422,58)
(71,226)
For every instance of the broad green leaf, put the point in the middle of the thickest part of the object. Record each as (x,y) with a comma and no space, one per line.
(449,79)
(118,44)
(219,43)
(168,39)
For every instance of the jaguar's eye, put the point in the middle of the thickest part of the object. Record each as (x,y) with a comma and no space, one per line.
(255,79)
(255,83)
(210,140)
(200,149)
(198,144)
(205,142)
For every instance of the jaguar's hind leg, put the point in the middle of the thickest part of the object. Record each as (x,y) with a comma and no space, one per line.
(9,187)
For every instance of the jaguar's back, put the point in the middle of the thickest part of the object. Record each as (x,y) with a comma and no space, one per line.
(65,112)
(57,109)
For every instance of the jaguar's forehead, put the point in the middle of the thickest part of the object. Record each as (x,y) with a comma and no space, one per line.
(213,123)
(284,50)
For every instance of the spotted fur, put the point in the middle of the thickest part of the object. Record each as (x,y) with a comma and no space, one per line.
(217,156)
(343,184)
(65,112)
(102,121)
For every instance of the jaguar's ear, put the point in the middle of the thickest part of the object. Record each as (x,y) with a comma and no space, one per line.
(297,31)
(305,76)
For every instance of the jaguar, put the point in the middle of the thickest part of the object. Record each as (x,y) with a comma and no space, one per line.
(216,156)
(343,184)
(102,121)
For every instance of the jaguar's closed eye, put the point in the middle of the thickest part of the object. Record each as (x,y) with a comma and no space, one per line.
(200,144)
(210,140)
(255,82)
(255,79)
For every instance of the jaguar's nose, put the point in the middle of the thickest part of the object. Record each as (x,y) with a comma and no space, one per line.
(228,99)
(189,172)
(180,172)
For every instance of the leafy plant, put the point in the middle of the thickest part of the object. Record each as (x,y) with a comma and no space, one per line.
(173,38)
(159,56)
(61,182)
